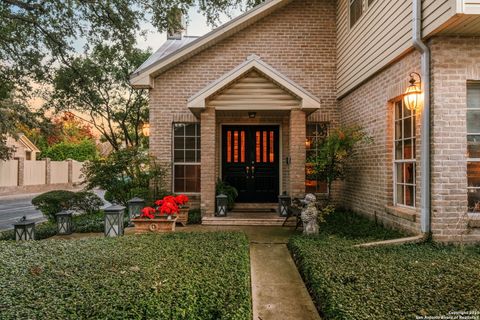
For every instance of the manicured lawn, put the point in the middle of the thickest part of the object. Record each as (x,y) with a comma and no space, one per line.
(396,282)
(176,276)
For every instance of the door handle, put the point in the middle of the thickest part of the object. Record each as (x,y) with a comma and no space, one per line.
(253,172)
(247,169)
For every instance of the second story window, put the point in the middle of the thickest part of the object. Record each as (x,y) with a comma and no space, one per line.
(356,11)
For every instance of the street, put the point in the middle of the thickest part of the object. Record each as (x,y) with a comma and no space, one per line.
(13,207)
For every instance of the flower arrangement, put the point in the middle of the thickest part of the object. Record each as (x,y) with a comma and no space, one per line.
(169,205)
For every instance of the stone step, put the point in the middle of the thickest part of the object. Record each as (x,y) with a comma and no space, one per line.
(232,221)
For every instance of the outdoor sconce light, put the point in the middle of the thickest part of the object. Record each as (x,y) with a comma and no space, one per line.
(284,203)
(135,206)
(222,202)
(308,144)
(252,115)
(412,94)
(146,129)
(64,222)
(24,229)
(114,221)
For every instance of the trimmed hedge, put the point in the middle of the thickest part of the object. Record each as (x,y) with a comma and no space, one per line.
(195,216)
(174,276)
(394,282)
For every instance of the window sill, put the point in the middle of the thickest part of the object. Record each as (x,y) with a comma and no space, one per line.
(474,220)
(400,212)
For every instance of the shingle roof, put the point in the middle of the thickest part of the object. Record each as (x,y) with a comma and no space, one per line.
(171,45)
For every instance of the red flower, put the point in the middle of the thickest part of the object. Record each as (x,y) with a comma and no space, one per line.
(168,208)
(158,203)
(181,199)
(148,212)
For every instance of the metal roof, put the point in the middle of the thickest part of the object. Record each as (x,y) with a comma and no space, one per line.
(170,46)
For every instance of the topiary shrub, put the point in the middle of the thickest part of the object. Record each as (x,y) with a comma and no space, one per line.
(52,202)
(87,202)
(195,216)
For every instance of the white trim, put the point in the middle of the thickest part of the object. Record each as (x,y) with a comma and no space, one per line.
(144,78)
(309,102)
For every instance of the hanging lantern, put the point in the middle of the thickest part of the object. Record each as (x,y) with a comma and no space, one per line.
(64,222)
(146,129)
(222,203)
(24,229)
(135,206)
(411,97)
(114,221)
(284,203)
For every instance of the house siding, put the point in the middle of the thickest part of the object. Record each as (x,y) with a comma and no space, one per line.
(381,36)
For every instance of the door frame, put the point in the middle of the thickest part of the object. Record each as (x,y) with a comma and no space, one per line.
(280,147)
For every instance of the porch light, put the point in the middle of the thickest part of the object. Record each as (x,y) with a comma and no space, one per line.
(135,206)
(64,222)
(114,221)
(146,129)
(412,94)
(284,203)
(308,143)
(24,229)
(222,202)
(252,115)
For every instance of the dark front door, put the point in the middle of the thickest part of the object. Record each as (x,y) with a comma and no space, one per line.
(250,161)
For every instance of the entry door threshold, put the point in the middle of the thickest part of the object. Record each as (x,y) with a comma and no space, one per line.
(235,221)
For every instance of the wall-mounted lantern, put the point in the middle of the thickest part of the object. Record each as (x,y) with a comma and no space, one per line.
(64,222)
(411,97)
(222,203)
(284,203)
(252,115)
(24,229)
(146,129)
(114,221)
(135,206)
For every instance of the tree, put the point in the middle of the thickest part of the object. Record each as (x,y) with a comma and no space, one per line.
(334,151)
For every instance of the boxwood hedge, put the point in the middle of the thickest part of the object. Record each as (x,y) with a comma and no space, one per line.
(395,282)
(175,276)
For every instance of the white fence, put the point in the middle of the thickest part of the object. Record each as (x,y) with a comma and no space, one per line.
(20,172)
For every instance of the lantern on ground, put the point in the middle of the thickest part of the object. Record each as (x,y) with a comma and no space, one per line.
(411,98)
(284,203)
(24,229)
(114,220)
(222,203)
(64,222)
(135,206)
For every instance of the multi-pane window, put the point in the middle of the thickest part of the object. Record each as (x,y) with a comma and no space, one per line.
(357,9)
(405,164)
(316,133)
(473,146)
(186,157)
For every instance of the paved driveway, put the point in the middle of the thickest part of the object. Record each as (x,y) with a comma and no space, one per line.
(13,207)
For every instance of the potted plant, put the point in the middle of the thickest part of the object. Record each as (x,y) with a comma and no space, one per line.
(164,221)
(170,203)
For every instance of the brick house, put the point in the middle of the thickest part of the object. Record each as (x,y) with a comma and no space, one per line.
(243,103)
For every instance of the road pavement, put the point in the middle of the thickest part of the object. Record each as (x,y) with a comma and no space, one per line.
(13,207)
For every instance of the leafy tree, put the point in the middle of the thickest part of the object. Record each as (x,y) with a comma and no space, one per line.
(80,151)
(334,151)
(125,174)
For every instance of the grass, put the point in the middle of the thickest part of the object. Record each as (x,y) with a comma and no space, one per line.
(175,276)
(395,282)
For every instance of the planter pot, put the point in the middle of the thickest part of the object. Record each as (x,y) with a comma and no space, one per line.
(183,215)
(158,225)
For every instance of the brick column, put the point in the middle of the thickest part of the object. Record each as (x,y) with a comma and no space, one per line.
(297,153)
(21,171)
(48,171)
(208,177)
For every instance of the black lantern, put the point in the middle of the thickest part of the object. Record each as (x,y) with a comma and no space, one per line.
(114,220)
(222,202)
(284,203)
(24,229)
(135,206)
(64,222)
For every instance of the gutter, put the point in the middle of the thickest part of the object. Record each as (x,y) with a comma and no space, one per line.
(421,47)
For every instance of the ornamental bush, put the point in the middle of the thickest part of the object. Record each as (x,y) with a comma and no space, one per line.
(195,216)
(393,282)
(174,276)
(82,151)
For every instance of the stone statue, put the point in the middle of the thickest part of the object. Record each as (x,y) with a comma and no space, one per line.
(309,215)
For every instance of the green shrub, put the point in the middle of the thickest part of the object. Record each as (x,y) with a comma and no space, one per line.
(175,276)
(394,282)
(52,202)
(223,187)
(83,151)
(125,174)
(195,216)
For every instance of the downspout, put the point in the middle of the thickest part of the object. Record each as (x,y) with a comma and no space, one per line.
(425,125)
